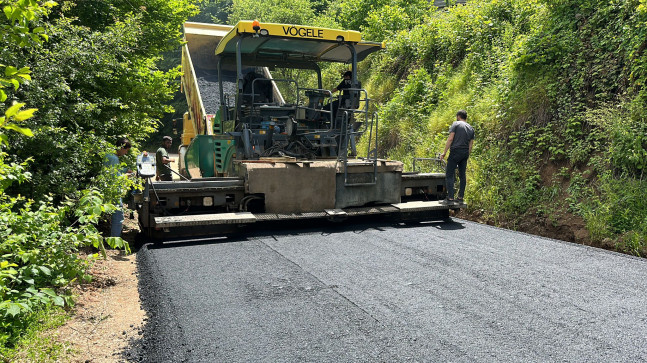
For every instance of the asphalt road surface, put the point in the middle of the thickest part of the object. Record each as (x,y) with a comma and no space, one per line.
(431,292)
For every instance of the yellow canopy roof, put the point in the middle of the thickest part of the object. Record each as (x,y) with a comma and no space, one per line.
(294,43)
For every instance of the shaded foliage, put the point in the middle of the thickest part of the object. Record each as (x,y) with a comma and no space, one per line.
(93,81)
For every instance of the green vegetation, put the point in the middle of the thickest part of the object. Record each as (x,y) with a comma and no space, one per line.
(35,344)
(89,71)
(549,86)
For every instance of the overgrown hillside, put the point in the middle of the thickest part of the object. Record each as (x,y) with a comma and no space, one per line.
(555,90)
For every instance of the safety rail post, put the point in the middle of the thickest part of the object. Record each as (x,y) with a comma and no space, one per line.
(343,155)
(343,140)
(371,154)
(441,163)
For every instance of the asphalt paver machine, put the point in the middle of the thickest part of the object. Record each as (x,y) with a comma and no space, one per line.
(261,149)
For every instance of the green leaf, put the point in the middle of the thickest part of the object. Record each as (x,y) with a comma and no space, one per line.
(13,309)
(11,111)
(23,130)
(7,11)
(25,114)
(118,242)
(58,301)
(10,71)
(49,292)
(16,14)
(3,96)
(69,300)
(45,270)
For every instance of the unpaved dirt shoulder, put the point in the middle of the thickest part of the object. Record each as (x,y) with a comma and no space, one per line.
(107,317)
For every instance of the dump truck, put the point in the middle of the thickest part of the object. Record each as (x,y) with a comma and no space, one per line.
(257,148)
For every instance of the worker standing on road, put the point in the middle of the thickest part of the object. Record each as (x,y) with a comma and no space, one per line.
(459,143)
(117,219)
(163,160)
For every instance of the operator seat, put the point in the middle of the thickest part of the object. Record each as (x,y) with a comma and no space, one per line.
(259,91)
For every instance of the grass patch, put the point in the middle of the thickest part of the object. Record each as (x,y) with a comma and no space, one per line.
(36,343)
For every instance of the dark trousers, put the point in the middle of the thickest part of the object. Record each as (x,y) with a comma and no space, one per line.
(335,106)
(457,158)
(166,177)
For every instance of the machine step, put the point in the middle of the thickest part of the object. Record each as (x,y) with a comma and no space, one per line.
(205,219)
(247,217)
(424,206)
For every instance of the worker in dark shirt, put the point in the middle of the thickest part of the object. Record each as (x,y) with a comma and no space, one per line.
(459,143)
(164,161)
(344,85)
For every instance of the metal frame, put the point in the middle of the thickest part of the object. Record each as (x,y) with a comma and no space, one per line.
(286,80)
(371,153)
(442,163)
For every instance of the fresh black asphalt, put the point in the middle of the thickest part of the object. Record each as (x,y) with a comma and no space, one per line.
(429,292)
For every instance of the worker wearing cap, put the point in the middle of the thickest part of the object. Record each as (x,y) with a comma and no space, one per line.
(344,85)
(163,160)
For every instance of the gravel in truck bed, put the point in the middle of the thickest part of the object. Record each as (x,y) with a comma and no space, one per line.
(210,90)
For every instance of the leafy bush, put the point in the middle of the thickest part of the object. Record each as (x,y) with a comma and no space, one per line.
(90,67)
(94,79)
(39,250)
(275,11)
(386,20)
